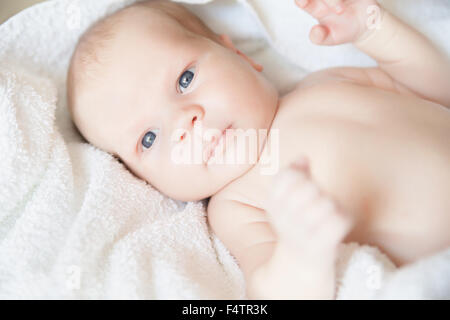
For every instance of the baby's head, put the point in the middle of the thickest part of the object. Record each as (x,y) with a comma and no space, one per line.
(140,79)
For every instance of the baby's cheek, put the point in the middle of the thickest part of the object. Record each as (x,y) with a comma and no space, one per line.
(181,182)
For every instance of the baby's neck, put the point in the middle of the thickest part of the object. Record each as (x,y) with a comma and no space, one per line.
(252,187)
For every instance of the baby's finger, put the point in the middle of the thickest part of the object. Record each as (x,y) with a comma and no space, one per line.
(337,226)
(317,213)
(283,182)
(336,5)
(315,8)
(320,35)
(302,164)
(303,195)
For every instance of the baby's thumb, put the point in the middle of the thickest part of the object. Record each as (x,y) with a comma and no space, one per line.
(321,36)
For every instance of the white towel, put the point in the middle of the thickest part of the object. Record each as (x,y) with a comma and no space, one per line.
(74,223)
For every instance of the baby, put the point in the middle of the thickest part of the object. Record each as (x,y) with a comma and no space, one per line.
(364,153)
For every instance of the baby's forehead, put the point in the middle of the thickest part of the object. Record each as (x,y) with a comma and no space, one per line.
(159,44)
(138,49)
(151,25)
(133,41)
(149,44)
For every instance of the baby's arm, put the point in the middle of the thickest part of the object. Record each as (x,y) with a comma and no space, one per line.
(409,58)
(402,52)
(293,256)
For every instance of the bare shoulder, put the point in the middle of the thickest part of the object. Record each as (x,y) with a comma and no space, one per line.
(372,77)
(243,229)
(323,84)
(339,93)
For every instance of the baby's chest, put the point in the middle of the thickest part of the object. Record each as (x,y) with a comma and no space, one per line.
(360,140)
(378,156)
(334,145)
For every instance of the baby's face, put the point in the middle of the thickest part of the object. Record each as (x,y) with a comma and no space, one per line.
(157,83)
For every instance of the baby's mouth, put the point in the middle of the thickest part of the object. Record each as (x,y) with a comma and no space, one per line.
(216,145)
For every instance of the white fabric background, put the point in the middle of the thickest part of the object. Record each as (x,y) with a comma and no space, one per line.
(74,223)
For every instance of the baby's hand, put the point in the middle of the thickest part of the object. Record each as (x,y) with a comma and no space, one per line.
(341,21)
(302,216)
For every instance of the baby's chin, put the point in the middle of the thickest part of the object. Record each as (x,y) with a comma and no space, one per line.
(215,180)
(188,196)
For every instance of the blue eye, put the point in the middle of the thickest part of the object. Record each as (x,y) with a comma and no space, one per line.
(149,139)
(186,79)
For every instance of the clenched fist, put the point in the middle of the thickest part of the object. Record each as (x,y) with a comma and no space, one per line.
(302,215)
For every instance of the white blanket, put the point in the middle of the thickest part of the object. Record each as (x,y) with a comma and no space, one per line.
(74,223)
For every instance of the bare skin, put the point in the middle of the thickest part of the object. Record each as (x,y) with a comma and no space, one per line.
(364,153)
(391,191)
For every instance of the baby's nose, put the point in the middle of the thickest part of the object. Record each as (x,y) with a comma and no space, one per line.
(188,118)
(190,115)
(183,134)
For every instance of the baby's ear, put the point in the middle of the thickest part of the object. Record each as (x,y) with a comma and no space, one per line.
(228,43)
